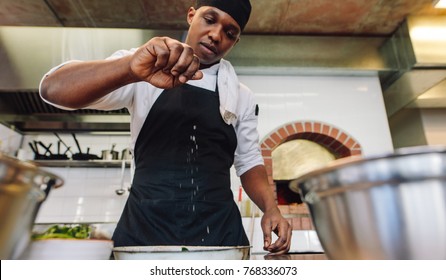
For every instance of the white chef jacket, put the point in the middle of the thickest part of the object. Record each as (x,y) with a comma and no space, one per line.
(139,98)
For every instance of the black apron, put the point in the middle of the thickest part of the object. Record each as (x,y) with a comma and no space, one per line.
(181,192)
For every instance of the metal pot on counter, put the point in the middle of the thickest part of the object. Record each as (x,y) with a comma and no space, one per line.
(114,155)
(383,207)
(23,188)
(126,154)
(110,154)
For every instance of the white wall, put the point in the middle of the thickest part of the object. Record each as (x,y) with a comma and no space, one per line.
(353,104)
(88,195)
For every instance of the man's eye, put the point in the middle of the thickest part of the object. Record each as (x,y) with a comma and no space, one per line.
(230,35)
(209,20)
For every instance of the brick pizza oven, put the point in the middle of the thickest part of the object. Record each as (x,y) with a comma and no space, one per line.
(334,139)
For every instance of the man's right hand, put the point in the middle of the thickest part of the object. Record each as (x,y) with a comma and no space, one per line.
(165,63)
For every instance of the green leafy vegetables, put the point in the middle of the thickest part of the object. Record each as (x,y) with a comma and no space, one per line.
(64,232)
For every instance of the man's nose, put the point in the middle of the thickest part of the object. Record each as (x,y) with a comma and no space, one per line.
(215,33)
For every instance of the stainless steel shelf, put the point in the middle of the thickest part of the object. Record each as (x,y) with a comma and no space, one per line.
(80,163)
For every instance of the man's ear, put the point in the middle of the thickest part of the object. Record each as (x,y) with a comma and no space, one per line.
(190,15)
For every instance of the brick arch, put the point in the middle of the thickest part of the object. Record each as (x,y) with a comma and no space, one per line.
(337,141)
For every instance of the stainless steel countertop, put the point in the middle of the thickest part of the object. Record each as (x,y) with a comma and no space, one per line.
(290,256)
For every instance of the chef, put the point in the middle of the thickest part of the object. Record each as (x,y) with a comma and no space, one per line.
(191,121)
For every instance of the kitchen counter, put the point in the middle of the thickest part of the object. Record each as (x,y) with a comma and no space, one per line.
(290,256)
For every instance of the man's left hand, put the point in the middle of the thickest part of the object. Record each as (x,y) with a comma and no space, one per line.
(273,221)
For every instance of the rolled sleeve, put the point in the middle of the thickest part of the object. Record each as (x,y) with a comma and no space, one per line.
(52,70)
(247,154)
(115,100)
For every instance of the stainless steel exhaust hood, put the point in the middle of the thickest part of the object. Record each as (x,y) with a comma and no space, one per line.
(26,53)
(420,47)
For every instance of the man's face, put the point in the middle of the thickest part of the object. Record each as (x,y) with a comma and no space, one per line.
(212,34)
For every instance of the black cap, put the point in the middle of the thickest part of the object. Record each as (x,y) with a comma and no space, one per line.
(239,10)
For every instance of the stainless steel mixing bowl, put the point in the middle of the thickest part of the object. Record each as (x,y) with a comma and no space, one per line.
(383,207)
(182,253)
(23,187)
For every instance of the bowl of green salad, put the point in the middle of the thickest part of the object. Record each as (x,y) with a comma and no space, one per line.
(68,242)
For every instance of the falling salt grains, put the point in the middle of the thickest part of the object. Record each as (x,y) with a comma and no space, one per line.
(193,208)
(208,229)
(191,160)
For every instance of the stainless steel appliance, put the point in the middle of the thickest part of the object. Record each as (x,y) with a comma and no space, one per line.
(384,207)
